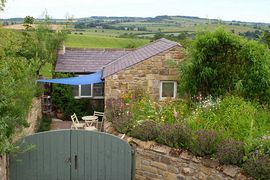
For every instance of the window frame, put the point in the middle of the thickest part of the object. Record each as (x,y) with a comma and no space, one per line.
(97,97)
(92,92)
(174,90)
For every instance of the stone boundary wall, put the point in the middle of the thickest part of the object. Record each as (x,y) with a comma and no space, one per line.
(155,161)
(33,118)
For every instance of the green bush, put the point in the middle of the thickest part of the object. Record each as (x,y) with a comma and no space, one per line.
(221,62)
(258,166)
(123,123)
(45,124)
(174,135)
(234,117)
(146,131)
(169,111)
(64,101)
(230,152)
(22,54)
(205,142)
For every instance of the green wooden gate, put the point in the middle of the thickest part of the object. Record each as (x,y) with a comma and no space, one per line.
(73,155)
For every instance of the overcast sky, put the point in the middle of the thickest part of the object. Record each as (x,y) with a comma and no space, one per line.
(245,10)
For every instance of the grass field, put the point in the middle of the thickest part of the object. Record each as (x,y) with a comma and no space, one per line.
(106,32)
(171,27)
(96,41)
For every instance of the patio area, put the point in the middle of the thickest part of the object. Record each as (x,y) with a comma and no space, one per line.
(58,124)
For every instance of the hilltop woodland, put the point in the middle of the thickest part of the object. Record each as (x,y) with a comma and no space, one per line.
(22,55)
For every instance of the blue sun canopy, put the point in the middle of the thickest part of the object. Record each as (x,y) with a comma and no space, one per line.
(81,80)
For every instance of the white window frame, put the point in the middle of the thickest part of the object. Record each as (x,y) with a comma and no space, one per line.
(91,96)
(174,89)
(80,92)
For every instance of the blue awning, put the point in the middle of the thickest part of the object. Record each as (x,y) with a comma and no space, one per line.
(81,80)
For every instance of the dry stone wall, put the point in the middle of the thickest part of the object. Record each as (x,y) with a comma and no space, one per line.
(155,161)
(145,75)
(33,119)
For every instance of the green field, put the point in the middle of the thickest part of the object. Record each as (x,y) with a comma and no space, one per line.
(105,32)
(97,41)
(172,27)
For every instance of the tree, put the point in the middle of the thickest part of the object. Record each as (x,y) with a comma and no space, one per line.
(2,4)
(28,22)
(220,62)
(266,38)
(22,54)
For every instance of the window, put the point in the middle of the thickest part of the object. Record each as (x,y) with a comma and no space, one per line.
(86,90)
(89,91)
(168,89)
(98,90)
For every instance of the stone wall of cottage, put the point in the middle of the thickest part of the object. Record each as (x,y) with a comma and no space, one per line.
(33,118)
(155,161)
(145,75)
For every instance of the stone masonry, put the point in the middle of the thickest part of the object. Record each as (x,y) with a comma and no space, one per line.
(145,75)
(155,161)
(33,118)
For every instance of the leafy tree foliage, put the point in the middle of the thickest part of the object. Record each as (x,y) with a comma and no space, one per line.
(28,21)
(266,38)
(17,87)
(221,62)
(22,54)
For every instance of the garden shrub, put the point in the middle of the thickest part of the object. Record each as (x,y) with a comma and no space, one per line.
(259,145)
(205,142)
(64,101)
(234,117)
(258,166)
(114,108)
(22,54)
(221,62)
(174,135)
(45,124)
(146,131)
(122,123)
(230,152)
(169,111)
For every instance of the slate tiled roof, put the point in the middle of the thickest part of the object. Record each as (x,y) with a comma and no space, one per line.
(137,56)
(86,60)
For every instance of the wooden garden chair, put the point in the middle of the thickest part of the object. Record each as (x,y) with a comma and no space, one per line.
(75,122)
(99,114)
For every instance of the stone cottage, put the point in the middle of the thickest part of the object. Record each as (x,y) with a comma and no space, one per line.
(149,68)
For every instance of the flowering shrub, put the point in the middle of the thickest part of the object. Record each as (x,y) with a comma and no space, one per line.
(230,152)
(115,108)
(233,116)
(174,135)
(241,126)
(205,142)
(258,166)
(122,123)
(161,112)
(146,131)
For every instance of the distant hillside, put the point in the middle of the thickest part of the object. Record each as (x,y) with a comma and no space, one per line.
(19,20)
(175,28)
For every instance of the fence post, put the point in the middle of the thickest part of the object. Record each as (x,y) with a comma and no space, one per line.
(133,166)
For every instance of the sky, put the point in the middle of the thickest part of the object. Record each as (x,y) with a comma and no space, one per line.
(243,10)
